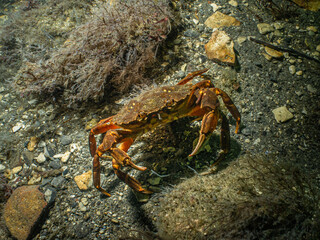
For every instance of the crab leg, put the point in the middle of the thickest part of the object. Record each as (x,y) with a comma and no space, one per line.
(103,126)
(208,125)
(231,107)
(120,158)
(132,182)
(192,75)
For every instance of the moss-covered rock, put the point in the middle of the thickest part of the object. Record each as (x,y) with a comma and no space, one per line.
(253,198)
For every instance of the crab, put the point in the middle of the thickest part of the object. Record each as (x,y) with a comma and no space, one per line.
(156,107)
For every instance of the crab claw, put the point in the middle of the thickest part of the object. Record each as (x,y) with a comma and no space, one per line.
(199,144)
(208,125)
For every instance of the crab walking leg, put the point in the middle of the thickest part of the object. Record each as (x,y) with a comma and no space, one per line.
(208,125)
(102,127)
(96,175)
(225,134)
(120,158)
(224,139)
(126,144)
(231,107)
(132,182)
(192,75)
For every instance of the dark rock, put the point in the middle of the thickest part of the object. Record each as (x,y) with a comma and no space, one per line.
(55,164)
(28,157)
(191,33)
(48,151)
(57,182)
(65,140)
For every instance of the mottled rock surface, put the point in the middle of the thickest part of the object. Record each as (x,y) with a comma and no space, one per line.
(23,211)
(219,19)
(84,180)
(220,48)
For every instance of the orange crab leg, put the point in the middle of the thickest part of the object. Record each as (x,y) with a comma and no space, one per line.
(132,182)
(208,125)
(192,75)
(120,158)
(231,107)
(102,127)
(125,145)
(96,175)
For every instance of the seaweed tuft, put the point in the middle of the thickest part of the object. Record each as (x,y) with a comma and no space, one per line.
(108,54)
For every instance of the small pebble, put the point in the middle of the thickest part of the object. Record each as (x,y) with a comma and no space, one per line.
(66,140)
(292,69)
(2,167)
(16,169)
(41,158)
(264,28)
(17,127)
(82,207)
(311,89)
(233,3)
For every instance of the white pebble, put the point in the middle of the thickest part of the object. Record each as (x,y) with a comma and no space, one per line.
(41,158)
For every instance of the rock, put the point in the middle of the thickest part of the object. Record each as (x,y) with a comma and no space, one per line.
(311,89)
(318,48)
(75,147)
(264,28)
(215,7)
(41,158)
(84,180)
(64,157)
(219,19)
(55,164)
(299,73)
(154,181)
(8,174)
(32,143)
(27,157)
(278,25)
(35,179)
(84,201)
(273,53)
(48,151)
(2,167)
(257,141)
(16,169)
(82,207)
(292,69)
(50,195)
(267,56)
(282,114)
(313,5)
(66,140)
(233,3)
(191,33)
(241,40)
(17,127)
(220,48)
(57,182)
(23,210)
(312,29)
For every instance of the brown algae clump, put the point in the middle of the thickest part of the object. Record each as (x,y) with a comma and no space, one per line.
(109,53)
